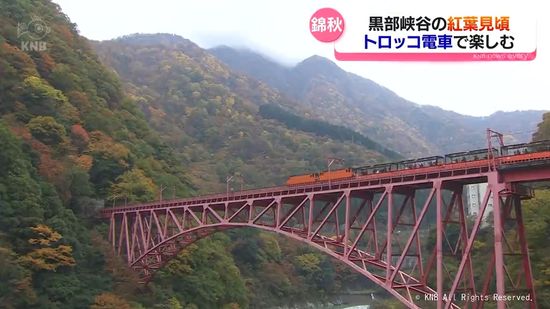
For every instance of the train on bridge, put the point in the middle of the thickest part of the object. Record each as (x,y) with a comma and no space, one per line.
(504,156)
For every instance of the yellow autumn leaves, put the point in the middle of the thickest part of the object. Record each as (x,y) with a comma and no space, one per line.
(47,253)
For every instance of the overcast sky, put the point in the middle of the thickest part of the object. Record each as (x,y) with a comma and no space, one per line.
(279,29)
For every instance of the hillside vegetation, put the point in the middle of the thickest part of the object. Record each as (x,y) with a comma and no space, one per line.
(536,214)
(212,116)
(75,139)
(323,91)
(72,141)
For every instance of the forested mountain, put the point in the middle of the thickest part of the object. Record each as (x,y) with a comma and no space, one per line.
(326,92)
(74,140)
(212,115)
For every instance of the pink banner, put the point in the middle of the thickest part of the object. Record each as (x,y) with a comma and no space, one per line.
(433,57)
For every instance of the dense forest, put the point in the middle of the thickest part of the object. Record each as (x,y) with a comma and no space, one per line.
(78,136)
(321,128)
(73,140)
(537,226)
(211,116)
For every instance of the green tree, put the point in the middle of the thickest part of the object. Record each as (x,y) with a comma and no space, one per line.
(205,274)
(536,214)
(543,131)
(135,186)
(308,263)
(20,193)
(47,130)
(42,99)
(16,284)
(173,303)
(271,246)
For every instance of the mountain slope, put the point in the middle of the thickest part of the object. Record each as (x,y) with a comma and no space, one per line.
(72,141)
(326,92)
(213,114)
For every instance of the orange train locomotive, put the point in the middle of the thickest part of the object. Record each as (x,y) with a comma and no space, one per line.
(511,154)
(340,174)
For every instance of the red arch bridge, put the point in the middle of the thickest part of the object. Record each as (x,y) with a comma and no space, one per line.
(409,232)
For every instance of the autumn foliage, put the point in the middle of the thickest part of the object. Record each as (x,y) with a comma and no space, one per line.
(67,133)
(48,254)
(109,301)
(79,136)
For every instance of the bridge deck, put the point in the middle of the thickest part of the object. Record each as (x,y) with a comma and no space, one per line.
(535,168)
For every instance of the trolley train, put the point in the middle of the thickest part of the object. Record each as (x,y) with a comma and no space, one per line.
(505,156)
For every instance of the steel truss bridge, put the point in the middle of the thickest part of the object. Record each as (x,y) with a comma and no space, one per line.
(409,233)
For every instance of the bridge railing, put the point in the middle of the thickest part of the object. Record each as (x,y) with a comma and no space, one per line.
(379,177)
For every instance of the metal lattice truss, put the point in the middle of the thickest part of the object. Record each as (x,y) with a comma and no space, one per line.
(413,238)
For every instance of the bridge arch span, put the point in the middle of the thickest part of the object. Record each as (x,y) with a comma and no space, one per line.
(161,254)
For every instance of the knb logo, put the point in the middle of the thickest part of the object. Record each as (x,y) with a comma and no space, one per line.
(35,30)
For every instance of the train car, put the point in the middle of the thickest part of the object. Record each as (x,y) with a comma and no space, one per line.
(467,156)
(540,146)
(525,154)
(517,149)
(346,173)
(511,154)
(419,163)
(302,179)
(376,169)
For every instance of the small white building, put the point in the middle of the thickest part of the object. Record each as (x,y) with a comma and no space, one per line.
(474,198)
